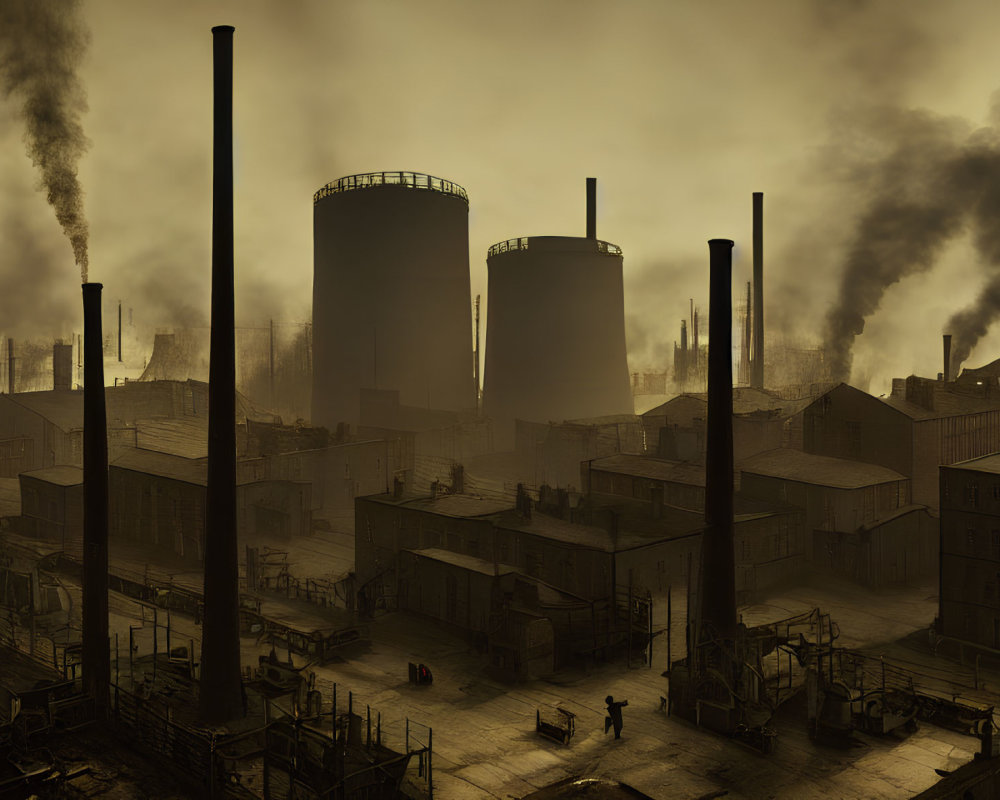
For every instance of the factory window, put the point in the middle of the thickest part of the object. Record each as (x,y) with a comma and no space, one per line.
(972,494)
(970,538)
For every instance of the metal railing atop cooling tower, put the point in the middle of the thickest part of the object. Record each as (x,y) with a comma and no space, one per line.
(510,244)
(523,243)
(413,180)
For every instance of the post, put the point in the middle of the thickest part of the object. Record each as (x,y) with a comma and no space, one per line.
(131,646)
(430,752)
(155,642)
(649,625)
(670,623)
(368,734)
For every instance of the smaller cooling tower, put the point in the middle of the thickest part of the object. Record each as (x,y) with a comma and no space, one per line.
(555,336)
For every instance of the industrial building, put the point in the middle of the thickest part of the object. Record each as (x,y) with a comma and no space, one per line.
(555,344)
(922,424)
(860,519)
(970,552)
(391,294)
(762,421)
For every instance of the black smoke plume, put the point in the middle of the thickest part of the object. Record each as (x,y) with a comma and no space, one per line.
(936,181)
(41,45)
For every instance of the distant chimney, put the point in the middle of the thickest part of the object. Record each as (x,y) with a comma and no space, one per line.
(62,367)
(757,361)
(591,208)
(457,479)
(10,366)
(947,356)
(694,348)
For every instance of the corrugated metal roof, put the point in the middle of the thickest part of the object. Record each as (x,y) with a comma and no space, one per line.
(58,475)
(946,404)
(558,529)
(659,469)
(165,465)
(684,408)
(463,561)
(839,473)
(186,436)
(449,505)
(990,463)
(63,409)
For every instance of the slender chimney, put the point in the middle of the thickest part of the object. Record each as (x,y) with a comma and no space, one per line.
(694,343)
(718,571)
(591,208)
(10,366)
(96,656)
(947,356)
(745,370)
(271,364)
(757,361)
(475,363)
(119,332)
(221,689)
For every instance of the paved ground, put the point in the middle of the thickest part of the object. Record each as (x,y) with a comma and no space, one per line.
(485,744)
(484,739)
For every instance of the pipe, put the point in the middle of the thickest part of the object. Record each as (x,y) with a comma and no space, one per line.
(757,361)
(591,208)
(718,570)
(746,371)
(221,687)
(96,655)
(947,357)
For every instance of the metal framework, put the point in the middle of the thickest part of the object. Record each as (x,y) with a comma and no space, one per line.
(410,180)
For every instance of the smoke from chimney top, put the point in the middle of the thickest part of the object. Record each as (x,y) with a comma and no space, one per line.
(41,45)
(937,180)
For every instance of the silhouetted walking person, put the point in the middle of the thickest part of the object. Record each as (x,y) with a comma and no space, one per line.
(614,715)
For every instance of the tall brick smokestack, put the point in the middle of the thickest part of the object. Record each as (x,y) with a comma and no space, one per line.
(591,208)
(221,689)
(757,361)
(96,655)
(947,356)
(718,570)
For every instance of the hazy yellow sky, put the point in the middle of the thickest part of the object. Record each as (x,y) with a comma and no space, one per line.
(680,109)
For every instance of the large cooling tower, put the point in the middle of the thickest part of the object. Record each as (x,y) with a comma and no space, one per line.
(555,335)
(391,294)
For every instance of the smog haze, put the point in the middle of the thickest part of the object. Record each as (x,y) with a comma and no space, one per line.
(681,110)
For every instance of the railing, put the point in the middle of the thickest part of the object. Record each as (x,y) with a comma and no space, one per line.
(413,180)
(523,242)
(507,246)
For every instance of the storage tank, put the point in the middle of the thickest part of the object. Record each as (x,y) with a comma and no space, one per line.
(555,335)
(391,294)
